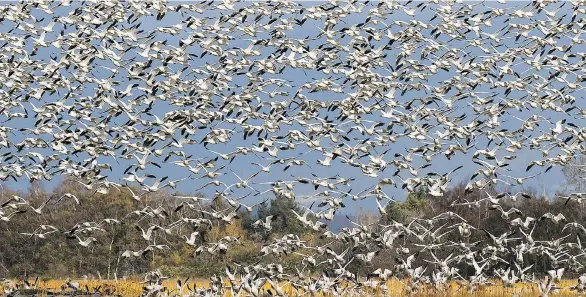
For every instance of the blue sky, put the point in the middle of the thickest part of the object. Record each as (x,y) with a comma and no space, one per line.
(241,166)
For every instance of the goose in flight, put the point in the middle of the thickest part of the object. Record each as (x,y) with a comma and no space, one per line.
(86,242)
(265,224)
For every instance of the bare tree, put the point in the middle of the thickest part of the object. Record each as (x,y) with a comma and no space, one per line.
(367,218)
(575,175)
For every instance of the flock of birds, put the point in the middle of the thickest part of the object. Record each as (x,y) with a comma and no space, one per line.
(344,101)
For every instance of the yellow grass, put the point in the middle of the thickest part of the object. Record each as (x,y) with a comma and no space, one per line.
(395,288)
(124,288)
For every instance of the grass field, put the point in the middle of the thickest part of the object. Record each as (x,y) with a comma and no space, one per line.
(395,288)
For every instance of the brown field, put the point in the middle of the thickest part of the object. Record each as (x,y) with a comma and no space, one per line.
(395,288)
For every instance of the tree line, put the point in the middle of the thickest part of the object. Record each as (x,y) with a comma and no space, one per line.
(22,255)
